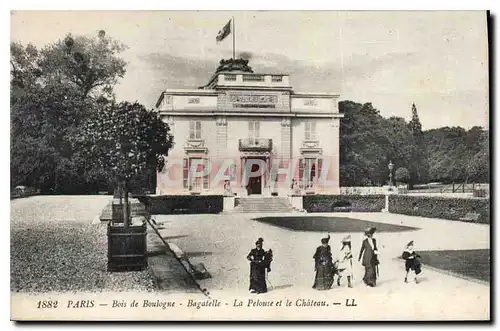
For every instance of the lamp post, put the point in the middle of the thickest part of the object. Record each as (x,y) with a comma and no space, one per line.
(391,166)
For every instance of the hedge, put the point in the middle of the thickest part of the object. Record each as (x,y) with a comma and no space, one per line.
(440,207)
(183,204)
(331,203)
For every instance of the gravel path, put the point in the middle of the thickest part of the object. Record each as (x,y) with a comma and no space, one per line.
(221,243)
(54,247)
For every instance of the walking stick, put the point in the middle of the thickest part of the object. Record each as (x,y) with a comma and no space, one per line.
(352,272)
(267,279)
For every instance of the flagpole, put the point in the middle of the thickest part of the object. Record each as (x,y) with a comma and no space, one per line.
(234,32)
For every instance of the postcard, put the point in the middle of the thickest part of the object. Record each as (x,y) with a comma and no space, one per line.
(250,165)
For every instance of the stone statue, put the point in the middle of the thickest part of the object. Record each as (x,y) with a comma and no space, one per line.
(234,65)
(295,187)
(227,189)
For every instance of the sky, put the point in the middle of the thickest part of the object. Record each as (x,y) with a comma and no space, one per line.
(437,60)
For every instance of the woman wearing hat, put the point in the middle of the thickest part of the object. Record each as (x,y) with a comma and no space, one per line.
(323,265)
(412,261)
(345,261)
(370,260)
(258,266)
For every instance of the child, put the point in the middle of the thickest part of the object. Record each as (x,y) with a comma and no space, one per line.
(345,261)
(412,261)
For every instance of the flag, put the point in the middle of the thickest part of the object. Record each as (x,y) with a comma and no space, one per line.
(226,30)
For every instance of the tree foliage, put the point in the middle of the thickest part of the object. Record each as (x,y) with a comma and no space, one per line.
(368,142)
(124,140)
(53,90)
(402,175)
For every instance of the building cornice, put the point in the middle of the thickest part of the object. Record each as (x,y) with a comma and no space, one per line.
(314,95)
(254,88)
(191,92)
(260,114)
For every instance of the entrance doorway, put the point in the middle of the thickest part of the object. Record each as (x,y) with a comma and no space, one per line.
(254,185)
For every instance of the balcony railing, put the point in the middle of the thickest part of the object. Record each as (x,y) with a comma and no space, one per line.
(255,144)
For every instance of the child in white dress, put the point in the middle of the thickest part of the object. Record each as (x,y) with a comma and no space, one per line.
(344,261)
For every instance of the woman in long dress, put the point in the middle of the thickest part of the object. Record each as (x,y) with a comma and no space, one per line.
(345,262)
(258,266)
(323,265)
(370,261)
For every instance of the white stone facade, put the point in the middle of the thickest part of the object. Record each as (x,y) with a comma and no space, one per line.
(241,118)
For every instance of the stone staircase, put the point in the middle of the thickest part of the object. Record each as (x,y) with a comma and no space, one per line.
(259,204)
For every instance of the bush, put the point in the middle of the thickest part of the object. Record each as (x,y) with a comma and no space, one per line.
(183,204)
(402,175)
(330,203)
(440,207)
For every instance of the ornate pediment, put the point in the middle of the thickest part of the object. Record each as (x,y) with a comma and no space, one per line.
(196,146)
(310,144)
(311,147)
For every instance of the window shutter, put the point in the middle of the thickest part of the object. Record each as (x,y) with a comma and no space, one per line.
(312,174)
(185,172)
(308,130)
(301,171)
(257,129)
(320,167)
(191,130)
(313,131)
(198,130)
(206,178)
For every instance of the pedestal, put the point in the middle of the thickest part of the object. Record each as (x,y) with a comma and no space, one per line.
(228,203)
(296,202)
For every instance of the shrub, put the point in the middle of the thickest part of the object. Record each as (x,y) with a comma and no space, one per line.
(183,204)
(440,207)
(402,175)
(330,203)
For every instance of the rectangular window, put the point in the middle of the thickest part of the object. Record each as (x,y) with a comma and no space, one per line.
(309,171)
(253,130)
(197,183)
(195,130)
(310,130)
(185,173)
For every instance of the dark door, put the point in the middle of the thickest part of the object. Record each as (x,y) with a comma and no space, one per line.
(254,183)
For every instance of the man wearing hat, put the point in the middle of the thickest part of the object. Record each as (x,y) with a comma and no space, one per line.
(412,261)
(369,253)
(345,261)
(323,265)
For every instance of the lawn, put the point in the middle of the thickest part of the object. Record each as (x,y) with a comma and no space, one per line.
(330,224)
(473,263)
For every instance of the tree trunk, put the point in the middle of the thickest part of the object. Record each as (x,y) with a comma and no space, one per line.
(125,207)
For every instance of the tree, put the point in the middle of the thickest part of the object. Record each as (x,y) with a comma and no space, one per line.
(52,91)
(402,175)
(124,140)
(418,167)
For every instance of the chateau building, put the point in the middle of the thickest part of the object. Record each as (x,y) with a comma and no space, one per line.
(251,134)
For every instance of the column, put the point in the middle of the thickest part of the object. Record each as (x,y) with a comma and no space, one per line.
(221,135)
(335,162)
(285,152)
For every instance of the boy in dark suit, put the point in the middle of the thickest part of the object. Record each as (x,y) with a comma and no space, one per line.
(412,262)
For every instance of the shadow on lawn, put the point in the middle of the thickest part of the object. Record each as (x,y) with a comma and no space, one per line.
(330,224)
